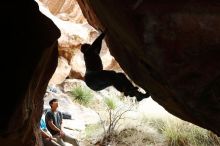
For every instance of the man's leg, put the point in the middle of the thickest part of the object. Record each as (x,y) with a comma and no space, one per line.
(123,84)
(49,142)
(59,140)
(68,138)
(99,80)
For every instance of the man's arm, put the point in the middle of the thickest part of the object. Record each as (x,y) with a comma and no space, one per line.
(97,44)
(52,126)
(62,134)
(44,134)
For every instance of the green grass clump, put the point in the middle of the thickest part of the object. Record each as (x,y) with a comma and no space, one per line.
(182,133)
(111,103)
(82,94)
(173,130)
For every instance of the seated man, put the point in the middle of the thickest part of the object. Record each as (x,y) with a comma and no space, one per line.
(53,120)
(47,139)
(97,79)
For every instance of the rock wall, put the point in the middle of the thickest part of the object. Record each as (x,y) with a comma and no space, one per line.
(67,10)
(31,40)
(169,48)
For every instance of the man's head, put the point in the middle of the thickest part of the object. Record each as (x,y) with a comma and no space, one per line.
(53,104)
(84,48)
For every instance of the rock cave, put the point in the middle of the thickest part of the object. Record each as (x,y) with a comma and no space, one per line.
(168,48)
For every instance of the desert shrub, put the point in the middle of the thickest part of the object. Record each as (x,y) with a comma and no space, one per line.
(82,94)
(111,103)
(115,114)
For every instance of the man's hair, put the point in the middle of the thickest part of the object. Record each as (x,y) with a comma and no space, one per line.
(85,47)
(52,100)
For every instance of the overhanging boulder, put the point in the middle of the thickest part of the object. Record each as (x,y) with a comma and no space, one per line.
(169,48)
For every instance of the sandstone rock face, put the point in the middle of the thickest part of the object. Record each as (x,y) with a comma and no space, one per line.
(170,49)
(32,42)
(62,71)
(67,10)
